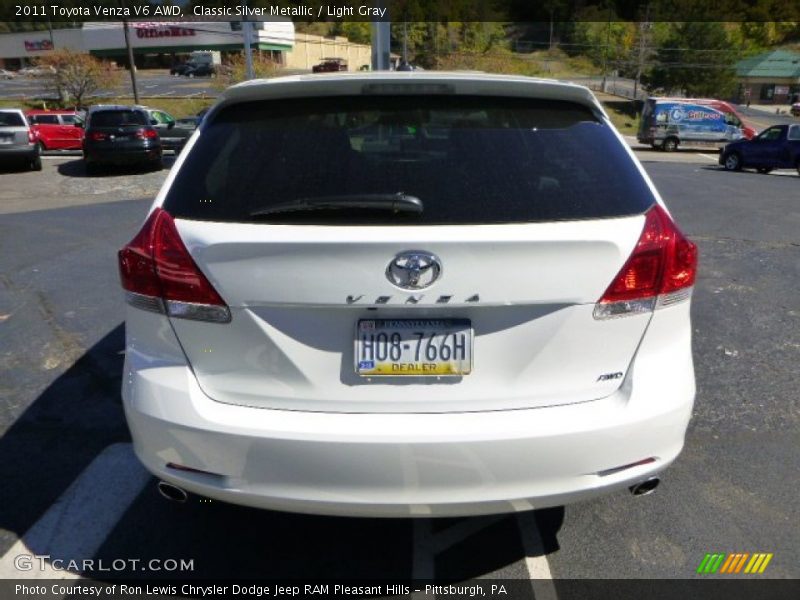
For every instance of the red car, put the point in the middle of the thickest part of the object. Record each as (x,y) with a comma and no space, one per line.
(55,129)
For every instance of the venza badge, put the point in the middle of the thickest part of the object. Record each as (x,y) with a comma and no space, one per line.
(414,270)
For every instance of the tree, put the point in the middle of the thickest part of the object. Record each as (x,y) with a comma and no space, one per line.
(235,70)
(76,76)
(697,59)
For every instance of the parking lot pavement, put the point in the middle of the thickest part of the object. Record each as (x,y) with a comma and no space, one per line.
(151,84)
(72,489)
(64,182)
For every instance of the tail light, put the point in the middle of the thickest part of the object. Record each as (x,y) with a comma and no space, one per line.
(660,271)
(97,136)
(146,134)
(31,136)
(159,275)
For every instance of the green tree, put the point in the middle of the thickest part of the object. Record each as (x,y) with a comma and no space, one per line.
(605,39)
(697,59)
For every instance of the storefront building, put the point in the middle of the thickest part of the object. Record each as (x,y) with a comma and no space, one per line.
(155,44)
(770,78)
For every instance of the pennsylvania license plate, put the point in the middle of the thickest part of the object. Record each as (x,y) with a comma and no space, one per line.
(426,347)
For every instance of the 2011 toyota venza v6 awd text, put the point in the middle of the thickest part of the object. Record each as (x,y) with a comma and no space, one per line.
(403,294)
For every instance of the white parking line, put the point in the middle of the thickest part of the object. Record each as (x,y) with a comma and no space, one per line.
(535,559)
(708,156)
(77,524)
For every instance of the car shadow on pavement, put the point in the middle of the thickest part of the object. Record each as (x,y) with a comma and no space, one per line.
(77,168)
(14,168)
(60,433)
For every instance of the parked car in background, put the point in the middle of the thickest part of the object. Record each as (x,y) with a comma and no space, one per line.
(508,327)
(180,69)
(667,123)
(330,65)
(777,147)
(120,135)
(7,74)
(37,71)
(18,143)
(56,129)
(173,136)
(732,116)
(188,123)
(795,110)
(201,70)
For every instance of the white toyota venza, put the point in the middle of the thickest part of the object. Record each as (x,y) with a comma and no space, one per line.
(407,294)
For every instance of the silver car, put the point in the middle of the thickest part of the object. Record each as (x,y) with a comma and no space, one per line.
(17,140)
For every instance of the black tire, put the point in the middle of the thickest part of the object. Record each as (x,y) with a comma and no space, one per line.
(40,147)
(154,165)
(36,164)
(763,170)
(732,162)
(670,144)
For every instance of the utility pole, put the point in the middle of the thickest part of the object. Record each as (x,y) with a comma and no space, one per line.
(247,33)
(644,35)
(605,53)
(381,41)
(50,31)
(131,62)
(405,43)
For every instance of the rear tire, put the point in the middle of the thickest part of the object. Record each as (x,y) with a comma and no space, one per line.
(732,162)
(36,164)
(154,165)
(670,144)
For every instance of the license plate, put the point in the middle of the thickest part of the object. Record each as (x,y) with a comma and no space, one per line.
(418,347)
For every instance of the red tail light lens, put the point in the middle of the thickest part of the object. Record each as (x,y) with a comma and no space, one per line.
(158,272)
(661,268)
(31,136)
(146,134)
(97,136)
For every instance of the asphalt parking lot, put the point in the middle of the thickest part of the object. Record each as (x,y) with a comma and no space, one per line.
(72,489)
(151,83)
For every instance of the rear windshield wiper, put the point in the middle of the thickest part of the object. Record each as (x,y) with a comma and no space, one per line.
(396,203)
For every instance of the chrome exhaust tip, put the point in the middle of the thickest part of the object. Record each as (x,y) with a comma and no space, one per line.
(172,492)
(648,486)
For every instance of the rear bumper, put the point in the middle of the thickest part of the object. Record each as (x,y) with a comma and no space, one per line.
(122,156)
(28,152)
(400,465)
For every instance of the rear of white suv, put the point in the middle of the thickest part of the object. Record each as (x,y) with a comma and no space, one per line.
(407,294)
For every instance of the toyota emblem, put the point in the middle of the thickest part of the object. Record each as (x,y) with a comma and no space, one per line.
(414,270)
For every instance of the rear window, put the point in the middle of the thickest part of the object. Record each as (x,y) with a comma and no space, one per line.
(45,119)
(117,118)
(11,119)
(470,160)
